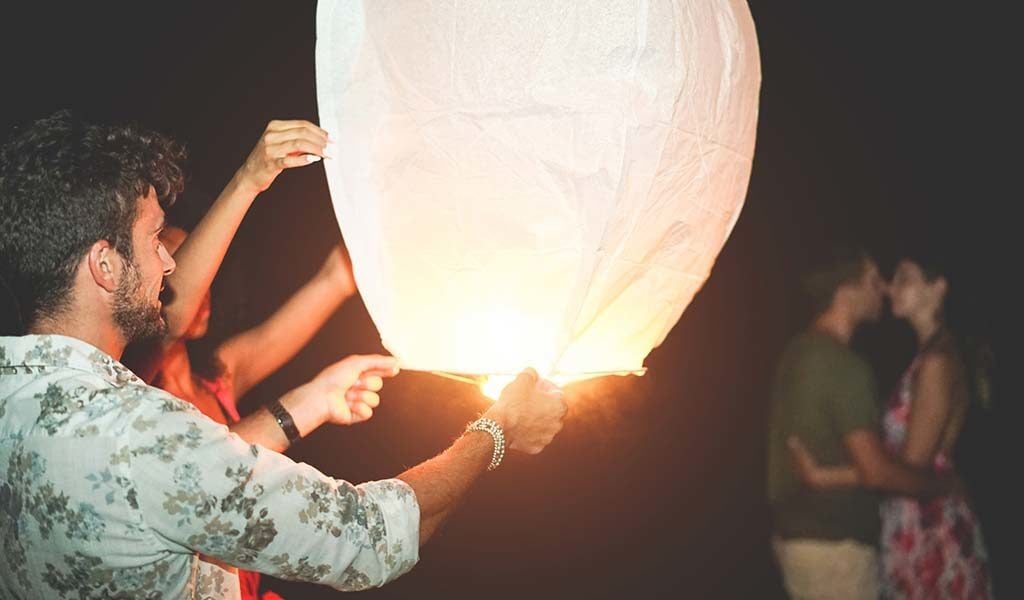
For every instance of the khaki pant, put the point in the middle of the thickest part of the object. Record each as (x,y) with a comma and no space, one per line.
(828,570)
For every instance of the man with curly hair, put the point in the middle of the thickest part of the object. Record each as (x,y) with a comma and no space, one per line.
(112,488)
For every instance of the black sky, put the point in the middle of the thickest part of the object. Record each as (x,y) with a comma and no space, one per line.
(884,122)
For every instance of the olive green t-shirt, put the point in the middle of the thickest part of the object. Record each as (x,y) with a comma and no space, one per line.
(822,392)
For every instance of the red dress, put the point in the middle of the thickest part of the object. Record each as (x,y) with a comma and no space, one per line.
(931,549)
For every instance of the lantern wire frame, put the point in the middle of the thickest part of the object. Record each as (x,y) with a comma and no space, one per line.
(478,379)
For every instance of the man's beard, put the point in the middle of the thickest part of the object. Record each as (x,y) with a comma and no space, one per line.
(138,319)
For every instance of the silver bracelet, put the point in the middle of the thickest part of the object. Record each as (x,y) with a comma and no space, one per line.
(491,426)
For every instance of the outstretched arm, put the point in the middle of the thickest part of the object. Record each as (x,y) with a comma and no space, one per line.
(530,412)
(256,353)
(872,468)
(344,393)
(283,145)
(878,470)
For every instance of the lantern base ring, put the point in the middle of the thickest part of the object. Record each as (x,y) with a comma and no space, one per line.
(477,379)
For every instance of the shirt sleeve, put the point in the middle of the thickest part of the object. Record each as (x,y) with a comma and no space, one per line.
(201,488)
(854,395)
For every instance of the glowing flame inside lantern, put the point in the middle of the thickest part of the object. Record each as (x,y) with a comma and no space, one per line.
(520,341)
(493,385)
(514,338)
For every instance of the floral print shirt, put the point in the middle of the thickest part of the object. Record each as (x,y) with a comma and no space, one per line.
(111,488)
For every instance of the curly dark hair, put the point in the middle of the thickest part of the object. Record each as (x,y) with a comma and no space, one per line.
(64,185)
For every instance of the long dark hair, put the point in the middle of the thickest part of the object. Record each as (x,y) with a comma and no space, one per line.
(145,359)
(961,318)
(202,355)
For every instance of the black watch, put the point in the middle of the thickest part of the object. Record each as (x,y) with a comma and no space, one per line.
(284,419)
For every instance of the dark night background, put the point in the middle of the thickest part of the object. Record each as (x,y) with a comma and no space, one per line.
(885,122)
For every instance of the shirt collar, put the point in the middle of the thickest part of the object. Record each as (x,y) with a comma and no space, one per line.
(60,351)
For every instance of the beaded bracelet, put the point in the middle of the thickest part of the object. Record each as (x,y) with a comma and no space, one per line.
(490,426)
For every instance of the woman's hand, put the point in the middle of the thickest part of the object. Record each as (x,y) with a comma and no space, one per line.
(283,145)
(349,387)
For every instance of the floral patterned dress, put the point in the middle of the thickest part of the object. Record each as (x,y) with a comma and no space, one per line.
(931,549)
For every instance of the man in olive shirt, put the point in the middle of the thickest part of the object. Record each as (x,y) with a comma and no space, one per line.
(824,393)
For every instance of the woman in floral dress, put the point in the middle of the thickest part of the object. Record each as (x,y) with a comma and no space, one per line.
(931,547)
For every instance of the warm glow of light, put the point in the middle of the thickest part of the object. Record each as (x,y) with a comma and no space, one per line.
(518,341)
(493,384)
(514,341)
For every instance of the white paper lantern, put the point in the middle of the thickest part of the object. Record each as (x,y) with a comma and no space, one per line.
(535,183)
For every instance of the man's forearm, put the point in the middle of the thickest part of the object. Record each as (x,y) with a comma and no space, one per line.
(262,428)
(441,482)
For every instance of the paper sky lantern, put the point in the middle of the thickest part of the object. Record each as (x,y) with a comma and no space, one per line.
(535,183)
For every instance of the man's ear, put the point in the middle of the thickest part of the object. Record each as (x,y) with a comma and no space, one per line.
(104,264)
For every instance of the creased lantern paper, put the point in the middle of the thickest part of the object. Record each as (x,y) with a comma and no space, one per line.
(535,183)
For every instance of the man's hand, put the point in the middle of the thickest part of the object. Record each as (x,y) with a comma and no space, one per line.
(530,410)
(283,145)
